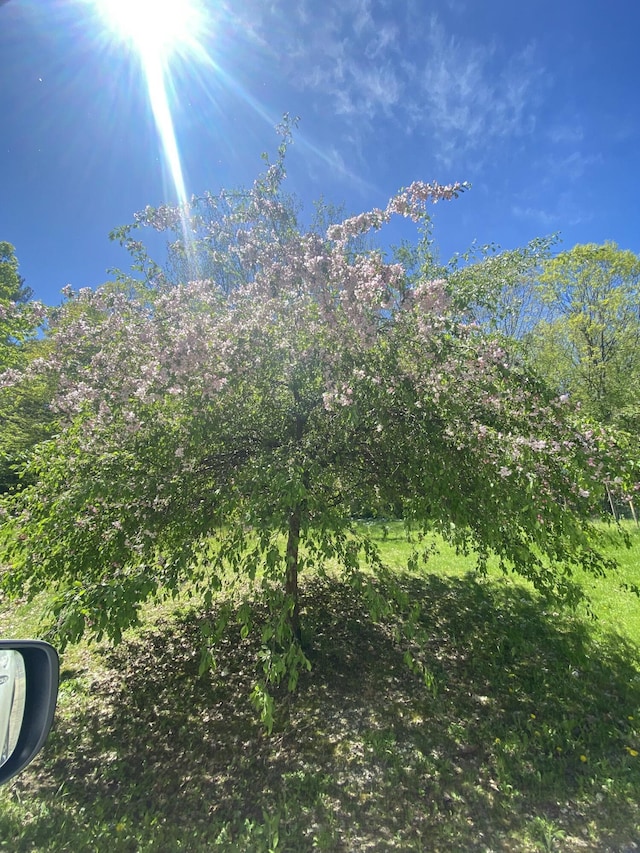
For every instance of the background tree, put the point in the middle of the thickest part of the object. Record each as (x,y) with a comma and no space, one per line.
(219,431)
(24,414)
(498,289)
(12,286)
(25,420)
(589,346)
(18,317)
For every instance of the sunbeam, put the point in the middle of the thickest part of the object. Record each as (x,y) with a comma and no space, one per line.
(156,30)
(157,90)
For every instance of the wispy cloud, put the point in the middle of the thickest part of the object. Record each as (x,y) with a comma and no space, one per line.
(456,92)
(565,211)
(473,95)
(575,165)
(350,59)
(373,61)
(566,133)
(546,218)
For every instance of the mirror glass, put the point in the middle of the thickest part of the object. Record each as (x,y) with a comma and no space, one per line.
(12,698)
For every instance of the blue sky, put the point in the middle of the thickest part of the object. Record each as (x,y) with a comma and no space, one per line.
(535,104)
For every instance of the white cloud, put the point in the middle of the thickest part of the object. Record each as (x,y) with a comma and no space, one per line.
(575,165)
(473,98)
(567,133)
(547,218)
(566,211)
(381,59)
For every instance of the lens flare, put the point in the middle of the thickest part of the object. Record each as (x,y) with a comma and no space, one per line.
(154,73)
(159,31)
(153,26)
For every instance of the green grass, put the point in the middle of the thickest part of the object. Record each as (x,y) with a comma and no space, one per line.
(519,733)
(615,609)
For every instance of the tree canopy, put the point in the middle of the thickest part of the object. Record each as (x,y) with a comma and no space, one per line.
(19,317)
(24,415)
(589,345)
(224,430)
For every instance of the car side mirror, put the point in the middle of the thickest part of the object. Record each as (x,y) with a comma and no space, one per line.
(29,673)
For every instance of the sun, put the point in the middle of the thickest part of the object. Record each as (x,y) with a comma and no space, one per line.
(154,27)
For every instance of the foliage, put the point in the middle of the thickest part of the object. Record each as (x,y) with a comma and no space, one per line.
(25,420)
(498,289)
(590,344)
(19,317)
(24,416)
(12,286)
(242,417)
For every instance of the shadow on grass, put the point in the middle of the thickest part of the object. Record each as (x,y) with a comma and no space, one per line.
(527,723)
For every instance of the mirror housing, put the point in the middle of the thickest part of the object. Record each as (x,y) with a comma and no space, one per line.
(41,671)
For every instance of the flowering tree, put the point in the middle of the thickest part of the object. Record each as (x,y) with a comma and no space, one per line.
(221,430)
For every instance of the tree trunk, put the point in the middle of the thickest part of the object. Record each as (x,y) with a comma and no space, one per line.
(293,539)
(291,583)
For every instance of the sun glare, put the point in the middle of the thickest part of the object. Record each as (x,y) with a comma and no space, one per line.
(155,30)
(156,26)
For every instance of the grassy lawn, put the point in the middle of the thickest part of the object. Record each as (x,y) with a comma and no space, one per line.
(521,732)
